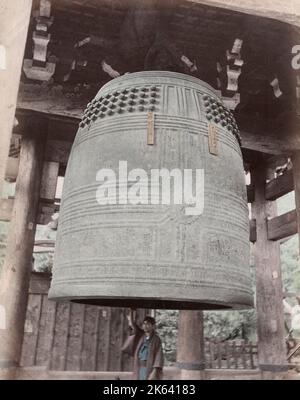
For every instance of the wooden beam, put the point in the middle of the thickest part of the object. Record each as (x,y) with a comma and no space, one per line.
(282,226)
(44,246)
(58,151)
(280,186)
(61,133)
(276,161)
(270,318)
(296,171)
(275,137)
(253,236)
(43,217)
(62,128)
(250,193)
(35,97)
(45,243)
(49,180)
(266,142)
(255,134)
(12,41)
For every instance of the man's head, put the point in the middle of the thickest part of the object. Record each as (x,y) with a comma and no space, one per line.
(298,299)
(148,325)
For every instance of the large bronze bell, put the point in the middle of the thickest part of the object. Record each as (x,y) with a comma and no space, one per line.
(189,254)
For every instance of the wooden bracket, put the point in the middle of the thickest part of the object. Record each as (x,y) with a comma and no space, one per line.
(228,75)
(49,181)
(276,88)
(233,76)
(252,228)
(38,68)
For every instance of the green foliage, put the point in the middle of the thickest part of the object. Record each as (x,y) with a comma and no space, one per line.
(290,262)
(217,324)
(166,326)
(43,262)
(286,203)
(230,324)
(290,266)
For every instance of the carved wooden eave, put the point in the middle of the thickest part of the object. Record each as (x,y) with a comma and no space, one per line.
(39,67)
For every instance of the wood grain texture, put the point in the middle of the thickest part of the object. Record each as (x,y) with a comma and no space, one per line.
(71,336)
(15,274)
(296,172)
(49,180)
(75,337)
(283,226)
(270,319)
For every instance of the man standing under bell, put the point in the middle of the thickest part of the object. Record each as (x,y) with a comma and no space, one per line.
(146,348)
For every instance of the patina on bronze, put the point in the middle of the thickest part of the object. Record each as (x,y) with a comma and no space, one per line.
(154,255)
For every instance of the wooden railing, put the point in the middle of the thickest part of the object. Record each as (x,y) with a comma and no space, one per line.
(230,354)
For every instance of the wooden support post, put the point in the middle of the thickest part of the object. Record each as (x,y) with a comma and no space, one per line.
(49,181)
(16,271)
(270,317)
(14,21)
(296,173)
(190,345)
(250,193)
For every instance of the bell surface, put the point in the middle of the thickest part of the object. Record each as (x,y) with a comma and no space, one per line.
(129,235)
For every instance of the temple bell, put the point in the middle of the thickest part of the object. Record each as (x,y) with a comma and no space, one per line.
(129,234)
